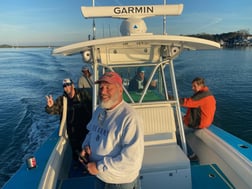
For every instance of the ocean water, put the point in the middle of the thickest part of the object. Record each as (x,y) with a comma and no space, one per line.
(27,75)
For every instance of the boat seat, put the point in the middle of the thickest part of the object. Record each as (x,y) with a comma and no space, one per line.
(164,162)
(164,157)
(159,123)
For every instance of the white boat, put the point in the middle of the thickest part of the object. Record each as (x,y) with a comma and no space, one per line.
(224,161)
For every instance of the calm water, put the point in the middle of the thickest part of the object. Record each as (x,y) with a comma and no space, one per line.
(27,75)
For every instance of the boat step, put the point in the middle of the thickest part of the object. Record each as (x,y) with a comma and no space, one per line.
(209,177)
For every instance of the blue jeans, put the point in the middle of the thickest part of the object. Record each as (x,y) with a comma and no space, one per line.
(133,185)
(188,131)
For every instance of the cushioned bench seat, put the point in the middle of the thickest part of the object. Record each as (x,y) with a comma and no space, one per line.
(164,157)
(165,165)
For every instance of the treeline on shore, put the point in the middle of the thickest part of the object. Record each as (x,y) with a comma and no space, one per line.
(230,39)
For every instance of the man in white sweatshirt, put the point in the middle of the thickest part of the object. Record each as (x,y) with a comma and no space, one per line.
(115,142)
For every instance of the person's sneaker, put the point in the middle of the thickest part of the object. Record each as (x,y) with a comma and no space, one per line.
(193,157)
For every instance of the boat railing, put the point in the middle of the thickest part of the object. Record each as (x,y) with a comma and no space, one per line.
(62,127)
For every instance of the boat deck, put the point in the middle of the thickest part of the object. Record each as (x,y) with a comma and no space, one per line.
(203,176)
(209,176)
(89,182)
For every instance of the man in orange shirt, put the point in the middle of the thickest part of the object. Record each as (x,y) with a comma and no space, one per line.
(201,106)
(200,110)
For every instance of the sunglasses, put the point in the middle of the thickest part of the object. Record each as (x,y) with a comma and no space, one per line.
(67,84)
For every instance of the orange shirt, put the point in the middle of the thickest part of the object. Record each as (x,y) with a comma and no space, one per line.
(205,102)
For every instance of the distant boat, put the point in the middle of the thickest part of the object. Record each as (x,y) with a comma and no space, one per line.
(224,161)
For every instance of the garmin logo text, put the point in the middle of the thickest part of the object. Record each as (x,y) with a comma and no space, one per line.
(129,10)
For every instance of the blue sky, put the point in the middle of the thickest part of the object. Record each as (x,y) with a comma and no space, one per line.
(54,22)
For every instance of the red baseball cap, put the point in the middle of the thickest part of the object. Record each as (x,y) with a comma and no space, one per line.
(110,77)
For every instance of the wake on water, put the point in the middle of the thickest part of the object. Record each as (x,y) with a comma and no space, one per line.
(27,76)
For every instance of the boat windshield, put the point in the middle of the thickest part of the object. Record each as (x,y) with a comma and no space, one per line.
(142,83)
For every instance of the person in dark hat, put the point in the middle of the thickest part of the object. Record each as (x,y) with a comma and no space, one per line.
(139,81)
(86,80)
(79,112)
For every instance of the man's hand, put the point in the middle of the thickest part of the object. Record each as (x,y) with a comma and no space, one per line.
(91,167)
(84,156)
(49,99)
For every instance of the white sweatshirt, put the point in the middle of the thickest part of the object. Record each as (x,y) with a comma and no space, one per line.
(116,141)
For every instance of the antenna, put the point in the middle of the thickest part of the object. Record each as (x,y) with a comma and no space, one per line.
(164,21)
(94,29)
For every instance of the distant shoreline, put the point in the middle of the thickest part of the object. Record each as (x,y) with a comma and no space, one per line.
(28,46)
(237,39)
